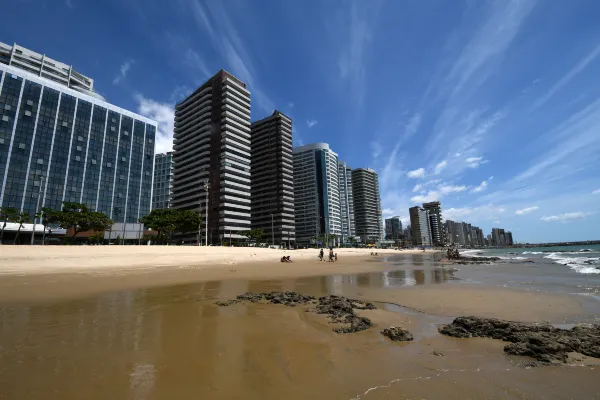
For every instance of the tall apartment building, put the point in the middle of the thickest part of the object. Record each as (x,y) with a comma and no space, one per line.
(45,67)
(316,192)
(367,204)
(62,141)
(212,146)
(434,210)
(497,237)
(393,228)
(346,201)
(508,238)
(163,181)
(272,189)
(419,222)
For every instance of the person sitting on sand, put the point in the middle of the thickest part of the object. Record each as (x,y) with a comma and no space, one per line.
(283,259)
(288,259)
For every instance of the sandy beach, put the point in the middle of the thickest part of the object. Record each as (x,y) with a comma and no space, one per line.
(142,323)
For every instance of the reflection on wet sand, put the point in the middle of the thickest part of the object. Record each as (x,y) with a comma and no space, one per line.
(174,342)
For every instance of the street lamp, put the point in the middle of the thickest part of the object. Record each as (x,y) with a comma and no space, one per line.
(37,209)
(272,232)
(200,222)
(206,188)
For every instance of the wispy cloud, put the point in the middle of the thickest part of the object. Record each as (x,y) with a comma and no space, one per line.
(482,186)
(487,212)
(581,65)
(566,217)
(439,167)
(425,198)
(123,70)
(474,162)
(597,191)
(418,187)
(69,3)
(417,173)
(527,210)
(441,191)
(164,115)
(311,123)
(213,19)
(290,105)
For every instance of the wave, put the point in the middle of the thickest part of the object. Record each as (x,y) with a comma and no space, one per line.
(583,265)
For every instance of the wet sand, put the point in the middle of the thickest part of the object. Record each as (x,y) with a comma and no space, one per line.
(151,336)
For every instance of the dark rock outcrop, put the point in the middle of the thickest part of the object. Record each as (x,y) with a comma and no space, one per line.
(544,343)
(397,334)
(226,303)
(338,309)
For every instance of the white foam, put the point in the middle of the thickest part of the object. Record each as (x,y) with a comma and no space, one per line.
(583,265)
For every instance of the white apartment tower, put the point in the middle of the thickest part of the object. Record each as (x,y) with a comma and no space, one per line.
(346,201)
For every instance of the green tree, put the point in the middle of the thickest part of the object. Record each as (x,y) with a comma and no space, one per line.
(7,214)
(168,221)
(254,234)
(78,217)
(20,219)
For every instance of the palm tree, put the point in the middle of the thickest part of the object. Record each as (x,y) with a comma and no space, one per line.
(7,214)
(20,219)
(38,215)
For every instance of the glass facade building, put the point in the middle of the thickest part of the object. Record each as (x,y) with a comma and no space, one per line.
(65,145)
(163,181)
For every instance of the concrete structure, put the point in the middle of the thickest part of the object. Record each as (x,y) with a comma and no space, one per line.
(408,234)
(497,237)
(508,238)
(163,181)
(316,192)
(419,222)
(65,145)
(393,228)
(272,189)
(45,67)
(212,145)
(346,201)
(367,204)
(436,226)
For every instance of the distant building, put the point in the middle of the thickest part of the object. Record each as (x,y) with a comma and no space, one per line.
(367,204)
(211,145)
(498,237)
(419,222)
(434,210)
(393,228)
(346,201)
(408,234)
(272,187)
(508,238)
(163,181)
(316,192)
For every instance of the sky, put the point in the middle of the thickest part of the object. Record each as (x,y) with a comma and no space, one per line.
(491,107)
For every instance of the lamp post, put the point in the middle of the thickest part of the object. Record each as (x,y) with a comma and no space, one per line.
(37,210)
(206,188)
(199,223)
(272,232)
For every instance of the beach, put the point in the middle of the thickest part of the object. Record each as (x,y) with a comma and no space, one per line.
(142,323)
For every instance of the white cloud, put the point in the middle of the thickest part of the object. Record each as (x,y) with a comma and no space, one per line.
(164,115)
(291,105)
(486,212)
(426,198)
(311,123)
(434,195)
(440,166)
(68,3)
(566,217)
(418,187)
(480,188)
(447,189)
(417,173)
(526,210)
(474,162)
(123,70)
(597,191)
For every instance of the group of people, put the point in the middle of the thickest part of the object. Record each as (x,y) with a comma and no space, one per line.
(332,256)
(286,259)
(453,254)
(374,254)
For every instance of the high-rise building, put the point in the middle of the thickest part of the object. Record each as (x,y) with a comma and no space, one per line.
(212,147)
(497,237)
(272,189)
(434,210)
(467,234)
(393,228)
(346,201)
(408,234)
(163,181)
(419,222)
(367,204)
(63,142)
(316,192)
(508,238)
(45,67)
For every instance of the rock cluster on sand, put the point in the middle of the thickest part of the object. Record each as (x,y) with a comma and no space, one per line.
(338,309)
(476,260)
(397,334)
(545,343)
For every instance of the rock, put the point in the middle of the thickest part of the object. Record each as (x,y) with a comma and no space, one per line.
(397,334)
(290,299)
(226,303)
(544,343)
(438,353)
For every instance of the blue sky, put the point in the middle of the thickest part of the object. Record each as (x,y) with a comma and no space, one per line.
(492,107)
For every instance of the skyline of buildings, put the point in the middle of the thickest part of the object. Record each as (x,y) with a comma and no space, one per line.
(64,142)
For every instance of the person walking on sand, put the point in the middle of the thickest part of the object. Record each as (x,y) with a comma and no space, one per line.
(321,255)
(331,255)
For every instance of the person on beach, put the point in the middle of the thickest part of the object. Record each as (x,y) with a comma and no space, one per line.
(336,257)
(321,255)
(288,259)
(331,255)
